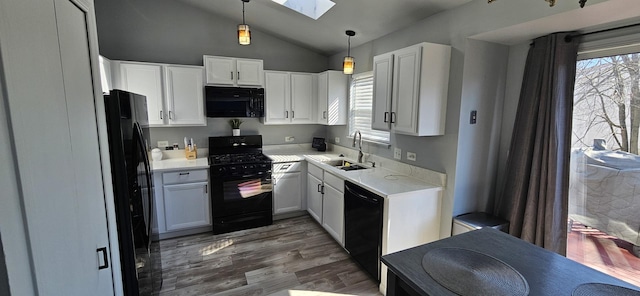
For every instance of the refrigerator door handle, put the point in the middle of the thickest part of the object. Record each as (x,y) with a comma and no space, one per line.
(105,258)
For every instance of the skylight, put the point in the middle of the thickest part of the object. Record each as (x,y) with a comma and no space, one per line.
(311,8)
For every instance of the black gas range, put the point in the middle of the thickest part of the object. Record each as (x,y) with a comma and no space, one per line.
(241,195)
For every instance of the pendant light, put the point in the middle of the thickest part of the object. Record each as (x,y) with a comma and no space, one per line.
(349,64)
(244,35)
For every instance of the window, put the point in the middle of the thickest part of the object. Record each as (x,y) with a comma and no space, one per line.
(361,109)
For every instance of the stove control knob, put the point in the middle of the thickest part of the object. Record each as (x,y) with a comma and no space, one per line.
(221,170)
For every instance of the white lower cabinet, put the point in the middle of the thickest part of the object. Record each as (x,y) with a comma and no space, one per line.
(333,207)
(183,205)
(325,201)
(287,187)
(186,206)
(314,197)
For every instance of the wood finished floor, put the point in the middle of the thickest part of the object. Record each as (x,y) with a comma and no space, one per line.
(292,257)
(603,252)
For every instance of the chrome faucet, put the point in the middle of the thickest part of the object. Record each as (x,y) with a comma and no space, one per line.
(357,133)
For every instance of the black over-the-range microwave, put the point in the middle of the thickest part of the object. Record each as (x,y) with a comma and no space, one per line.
(234,101)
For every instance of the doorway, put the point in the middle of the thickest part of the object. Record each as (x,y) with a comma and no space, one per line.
(604,193)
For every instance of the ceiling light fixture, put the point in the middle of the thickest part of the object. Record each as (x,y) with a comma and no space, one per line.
(349,64)
(553,2)
(244,35)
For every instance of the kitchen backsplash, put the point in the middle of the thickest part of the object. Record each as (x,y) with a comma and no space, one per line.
(271,134)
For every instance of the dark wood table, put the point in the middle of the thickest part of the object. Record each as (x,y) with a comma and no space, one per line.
(547,273)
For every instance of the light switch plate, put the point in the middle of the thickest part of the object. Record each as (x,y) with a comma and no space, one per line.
(289,139)
(411,156)
(163,143)
(337,140)
(397,153)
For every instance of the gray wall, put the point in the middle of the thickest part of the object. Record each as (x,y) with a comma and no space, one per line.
(271,134)
(484,75)
(170,31)
(469,155)
(515,72)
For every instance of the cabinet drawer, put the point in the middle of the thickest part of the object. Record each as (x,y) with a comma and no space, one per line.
(334,182)
(286,167)
(188,176)
(315,170)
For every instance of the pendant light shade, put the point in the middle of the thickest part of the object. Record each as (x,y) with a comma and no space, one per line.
(349,64)
(244,34)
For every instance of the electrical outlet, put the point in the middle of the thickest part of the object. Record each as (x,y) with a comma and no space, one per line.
(163,143)
(397,153)
(337,140)
(411,156)
(289,139)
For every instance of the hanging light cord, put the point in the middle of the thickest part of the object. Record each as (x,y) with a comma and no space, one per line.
(243,13)
(349,46)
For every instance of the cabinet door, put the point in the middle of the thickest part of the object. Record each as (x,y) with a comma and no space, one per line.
(314,197)
(277,97)
(287,193)
(220,70)
(382,86)
(145,79)
(406,89)
(249,72)
(185,99)
(186,206)
(337,98)
(105,75)
(323,95)
(302,98)
(333,212)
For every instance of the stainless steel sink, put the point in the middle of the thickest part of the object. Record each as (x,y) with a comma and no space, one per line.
(345,165)
(353,167)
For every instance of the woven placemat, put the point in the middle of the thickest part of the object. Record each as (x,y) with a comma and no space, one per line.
(599,289)
(467,272)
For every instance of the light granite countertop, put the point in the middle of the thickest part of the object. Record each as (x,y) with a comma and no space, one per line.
(380,180)
(173,164)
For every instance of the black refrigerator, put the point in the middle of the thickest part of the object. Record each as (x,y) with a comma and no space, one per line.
(133,192)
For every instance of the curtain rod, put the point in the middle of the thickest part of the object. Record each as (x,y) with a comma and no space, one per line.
(568,37)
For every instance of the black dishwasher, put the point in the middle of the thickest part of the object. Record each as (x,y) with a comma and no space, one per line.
(363,227)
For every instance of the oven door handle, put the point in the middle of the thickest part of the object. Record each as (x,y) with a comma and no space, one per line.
(254,176)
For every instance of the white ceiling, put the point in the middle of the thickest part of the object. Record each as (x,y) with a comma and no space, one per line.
(370,19)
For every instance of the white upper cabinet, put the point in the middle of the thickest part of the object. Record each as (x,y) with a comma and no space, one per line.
(145,79)
(332,98)
(410,90)
(289,98)
(185,95)
(302,98)
(175,93)
(106,79)
(229,71)
(277,97)
(382,86)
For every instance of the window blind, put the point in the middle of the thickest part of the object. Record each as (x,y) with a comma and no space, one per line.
(361,109)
